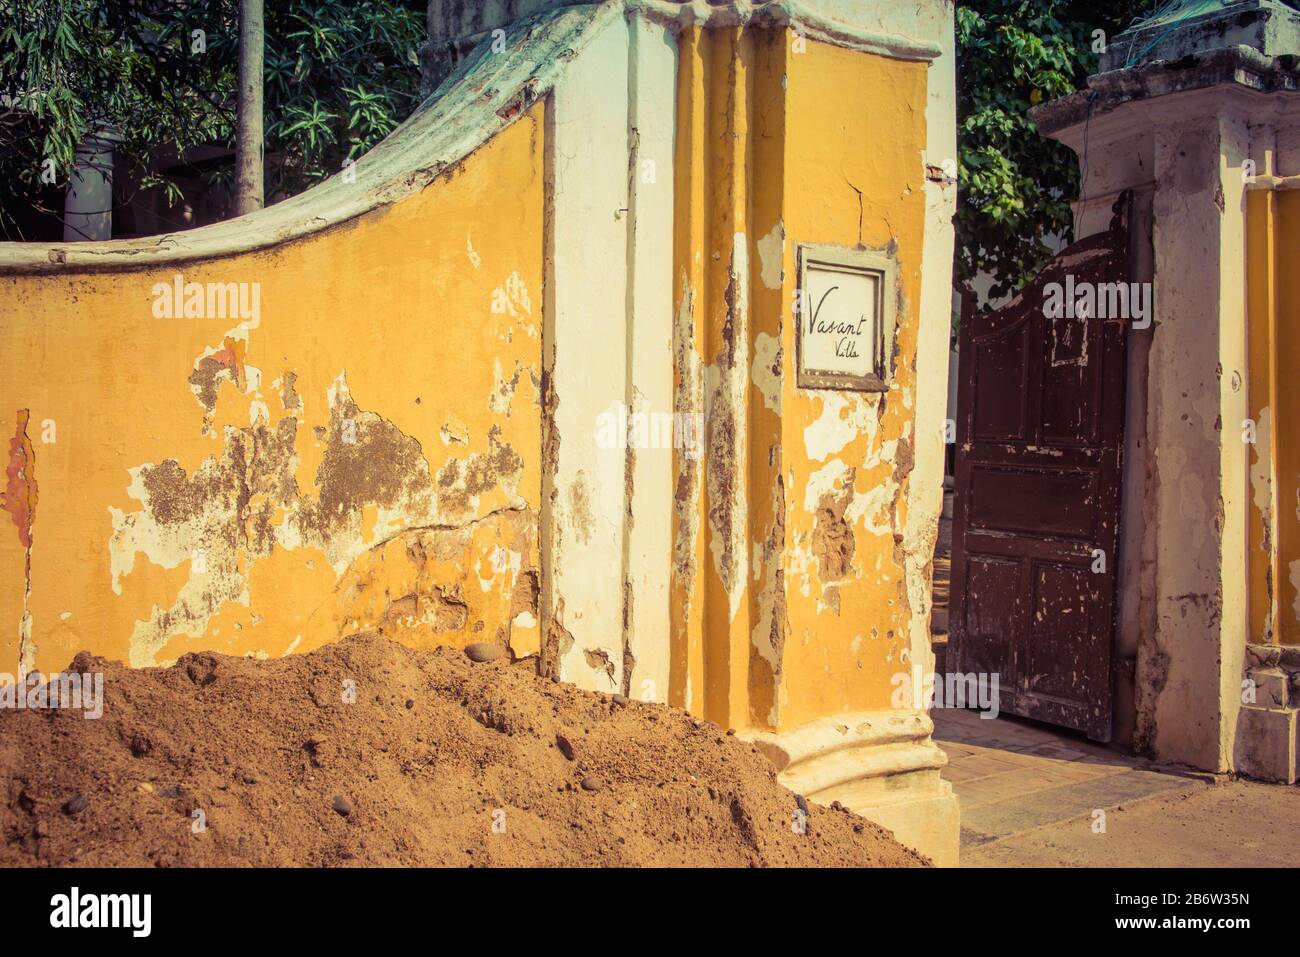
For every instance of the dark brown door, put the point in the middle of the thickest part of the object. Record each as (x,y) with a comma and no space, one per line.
(1036,523)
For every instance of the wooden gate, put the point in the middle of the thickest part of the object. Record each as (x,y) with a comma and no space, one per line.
(1040,428)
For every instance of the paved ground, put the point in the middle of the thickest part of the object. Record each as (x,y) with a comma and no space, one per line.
(1032,797)
(1029,795)
(1232,824)
(1012,776)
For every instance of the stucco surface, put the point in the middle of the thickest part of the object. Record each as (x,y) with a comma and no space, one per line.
(790,595)
(361,454)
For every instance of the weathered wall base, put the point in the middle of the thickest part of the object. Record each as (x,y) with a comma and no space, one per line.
(1267,746)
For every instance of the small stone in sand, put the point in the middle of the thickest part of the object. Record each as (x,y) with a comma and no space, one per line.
(482,651)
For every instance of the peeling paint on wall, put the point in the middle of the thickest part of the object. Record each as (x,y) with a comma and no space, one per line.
(372,482)
(413,587)
(833,543)
(771,253)
(771,620)
(1261,487)
(20,492)
(688,397)
(769,362)
(19,500)
(843,419)
(726,382)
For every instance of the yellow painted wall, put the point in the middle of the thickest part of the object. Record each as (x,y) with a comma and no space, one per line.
(1273,223)
(789,600)
(201,490)
(853,152)
(364,457)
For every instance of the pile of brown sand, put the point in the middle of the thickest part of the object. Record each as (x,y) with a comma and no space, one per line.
(434,750)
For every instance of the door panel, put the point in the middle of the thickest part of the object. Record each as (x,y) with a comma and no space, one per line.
(993,587)
(999,413)
(1043,501)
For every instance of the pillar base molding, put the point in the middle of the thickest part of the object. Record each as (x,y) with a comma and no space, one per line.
(882,765)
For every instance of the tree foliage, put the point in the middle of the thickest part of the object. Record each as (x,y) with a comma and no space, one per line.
(340,75)
(1015,184)
(160,75)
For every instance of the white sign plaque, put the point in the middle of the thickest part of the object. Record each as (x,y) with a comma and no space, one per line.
(845,318)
